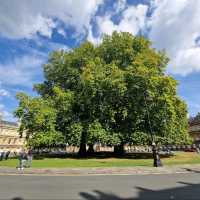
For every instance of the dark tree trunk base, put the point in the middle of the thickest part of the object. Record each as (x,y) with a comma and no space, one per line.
(90,150)
(119,150)
(82,151)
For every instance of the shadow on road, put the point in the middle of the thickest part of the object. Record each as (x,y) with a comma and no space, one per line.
(187,192)
(192,170)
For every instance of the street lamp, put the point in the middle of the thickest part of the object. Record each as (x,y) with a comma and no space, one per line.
(157,162)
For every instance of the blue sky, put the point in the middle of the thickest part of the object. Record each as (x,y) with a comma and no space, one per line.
(30,30)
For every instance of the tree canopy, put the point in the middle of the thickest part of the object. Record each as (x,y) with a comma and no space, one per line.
(114,93)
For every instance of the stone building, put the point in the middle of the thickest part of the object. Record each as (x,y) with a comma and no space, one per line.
(194,130)
(9,137)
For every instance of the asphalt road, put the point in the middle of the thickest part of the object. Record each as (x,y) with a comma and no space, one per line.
(108,187)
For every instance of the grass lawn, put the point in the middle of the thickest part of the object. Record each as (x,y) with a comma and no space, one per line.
(179,158)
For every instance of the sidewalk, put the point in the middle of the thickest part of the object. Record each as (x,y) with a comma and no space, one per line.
(102,171)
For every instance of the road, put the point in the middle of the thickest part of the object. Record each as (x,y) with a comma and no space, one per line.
(108,187)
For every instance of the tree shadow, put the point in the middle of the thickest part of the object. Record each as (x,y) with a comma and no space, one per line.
(187,192)
(101,196)
(192,170)
(100,155)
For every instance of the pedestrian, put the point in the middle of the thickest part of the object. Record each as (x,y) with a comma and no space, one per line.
(2,155)
(22,159)
(7,155)
(29,157)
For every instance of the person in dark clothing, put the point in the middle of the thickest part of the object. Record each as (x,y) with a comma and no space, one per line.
(29,157)
(2,155)
(22,159)
(7,155)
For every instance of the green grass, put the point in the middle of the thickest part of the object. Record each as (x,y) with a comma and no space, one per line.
(179,158)
(183,158)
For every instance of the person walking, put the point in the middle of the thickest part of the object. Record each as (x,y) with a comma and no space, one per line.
(2,155)
(29,157)
(7,155)
(22,159)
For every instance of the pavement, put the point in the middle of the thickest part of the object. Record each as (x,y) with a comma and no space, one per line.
(185,186)
(195,168)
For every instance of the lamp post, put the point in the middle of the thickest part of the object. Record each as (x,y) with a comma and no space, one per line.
(157,162)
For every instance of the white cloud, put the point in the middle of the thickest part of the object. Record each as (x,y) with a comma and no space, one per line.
(21,71)
(185,61)
(175,26)
(20,21)
(132,20)
(91,38)
(62,32)
(49,45)
(23,19)
(5,115)
(120,5)
(3,92)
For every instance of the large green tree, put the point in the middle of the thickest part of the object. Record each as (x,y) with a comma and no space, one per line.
(114,93)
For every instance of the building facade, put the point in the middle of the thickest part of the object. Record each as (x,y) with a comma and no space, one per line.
(9,137)
(194,130)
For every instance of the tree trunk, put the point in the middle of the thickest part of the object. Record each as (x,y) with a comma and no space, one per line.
(119,149)
(90,150)
(82,150)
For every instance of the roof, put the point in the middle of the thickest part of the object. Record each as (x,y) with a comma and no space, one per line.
(2,122)
(194,121)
